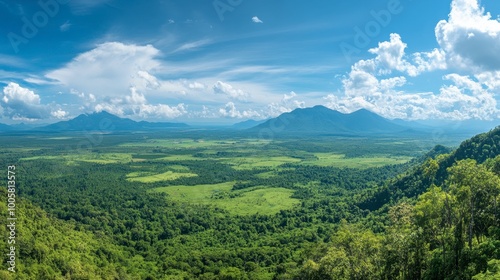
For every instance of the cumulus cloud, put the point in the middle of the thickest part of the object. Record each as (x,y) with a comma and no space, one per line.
(230,111)
(14,93)
(21,103)
(469,29)
(257,20)
(136,105)
(490,79)
(109,69)
(59,114)
(287,104)
(469,41)
(145,80)
(102,76)
(463,98)
(390,56)
(227,89)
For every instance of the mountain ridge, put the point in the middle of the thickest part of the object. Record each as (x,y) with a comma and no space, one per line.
(319,119)
(104,121)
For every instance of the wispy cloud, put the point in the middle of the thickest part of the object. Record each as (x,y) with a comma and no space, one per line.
(257,20)
(12,61)
(192,45)
(65,26)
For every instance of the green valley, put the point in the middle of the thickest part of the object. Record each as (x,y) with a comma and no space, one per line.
(160,206)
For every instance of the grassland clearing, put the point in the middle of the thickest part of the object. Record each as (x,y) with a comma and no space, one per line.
(101,158)
(260,200)
(149,177)
(249,163)
(339,160)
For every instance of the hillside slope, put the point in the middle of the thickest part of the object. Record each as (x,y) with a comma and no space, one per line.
(48,248)
(435,169)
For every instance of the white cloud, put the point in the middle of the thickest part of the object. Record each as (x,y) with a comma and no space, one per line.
(59,114)
(196,85)
(192,45)
(162,111)
(256,20)
(377,84)
(430,61)
(136,105)
(463,99)
(470,37)
(39,81)
(21,103)
(287,104)
(102,76)
(230,111)
(490,79)
(227,89)
(145,80)
(390,56)
(135,98)
(14,93)
(109,69)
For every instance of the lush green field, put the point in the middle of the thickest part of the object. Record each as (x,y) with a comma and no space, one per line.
(148,177)
(258,200)
(339,160)
(100,158)
(250,163)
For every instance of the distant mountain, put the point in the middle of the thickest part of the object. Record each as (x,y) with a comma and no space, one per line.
(4,127)
(320,119)
(247,124)
(24,126)
(104,121)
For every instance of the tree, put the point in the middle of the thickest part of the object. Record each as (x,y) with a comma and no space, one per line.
(475,187)
(354,254)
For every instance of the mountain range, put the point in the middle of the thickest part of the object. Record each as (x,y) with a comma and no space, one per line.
(104,121)
(4,127)
(320,119)
(314,120)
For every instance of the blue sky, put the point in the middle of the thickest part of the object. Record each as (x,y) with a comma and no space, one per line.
(231,60)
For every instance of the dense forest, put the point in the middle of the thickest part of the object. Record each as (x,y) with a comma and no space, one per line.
(434,217)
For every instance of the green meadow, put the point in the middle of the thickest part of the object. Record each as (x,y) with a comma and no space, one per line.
(250,163)
(100,158)
(340,160)
(258,200)
(148,177)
